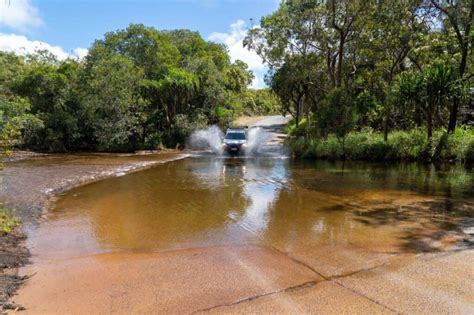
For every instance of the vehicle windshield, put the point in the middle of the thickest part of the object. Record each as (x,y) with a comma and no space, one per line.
(235,136)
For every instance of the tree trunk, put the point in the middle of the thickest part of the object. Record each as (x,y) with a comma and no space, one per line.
(417,117)
(453,115)
(429,124)
(463,34)
(298,111)
(308,124)
(385,124)
(340,59)
(344,148)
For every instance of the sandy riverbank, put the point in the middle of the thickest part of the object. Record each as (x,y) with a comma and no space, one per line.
(30,181)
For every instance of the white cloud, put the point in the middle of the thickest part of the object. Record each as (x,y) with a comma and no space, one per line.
(21,45)
(234,41)
(80,52)
(20,15)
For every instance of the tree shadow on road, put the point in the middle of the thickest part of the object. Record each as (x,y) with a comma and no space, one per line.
(428,226)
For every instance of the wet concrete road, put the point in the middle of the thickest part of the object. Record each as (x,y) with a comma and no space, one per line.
(256,235)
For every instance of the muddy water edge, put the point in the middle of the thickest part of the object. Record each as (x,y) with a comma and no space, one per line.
(29,182)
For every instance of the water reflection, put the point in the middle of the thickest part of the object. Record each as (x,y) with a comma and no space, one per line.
(315,211)
(260,179)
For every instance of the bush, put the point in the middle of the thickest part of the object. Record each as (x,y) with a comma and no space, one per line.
(469,157)
(356,144)
(337,114)
(455,147)
(223,116)
(292,130)
(330,148)
(409,145)
(7,221)
(299,146)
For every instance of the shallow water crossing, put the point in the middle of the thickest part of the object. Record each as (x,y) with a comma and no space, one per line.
(208,232)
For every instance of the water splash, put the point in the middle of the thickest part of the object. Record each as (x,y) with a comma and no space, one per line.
(210,139)
(257,137)
(207,139)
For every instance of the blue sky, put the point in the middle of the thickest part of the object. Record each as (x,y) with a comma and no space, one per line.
(68,27)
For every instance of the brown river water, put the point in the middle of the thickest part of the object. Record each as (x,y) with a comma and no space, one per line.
(203,231)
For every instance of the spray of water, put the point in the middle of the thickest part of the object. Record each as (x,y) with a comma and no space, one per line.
(256,139)
(211,139)
(207,139)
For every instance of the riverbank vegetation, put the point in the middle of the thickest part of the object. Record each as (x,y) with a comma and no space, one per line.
(406,145)
(345,70)
(138,88)
(376,80)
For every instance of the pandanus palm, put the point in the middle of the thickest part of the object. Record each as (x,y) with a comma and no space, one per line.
(441,86)
(430,90)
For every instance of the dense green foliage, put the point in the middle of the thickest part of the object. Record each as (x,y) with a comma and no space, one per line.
(138,88)
(15,113)
(342,66)
(339,67)
(261,102)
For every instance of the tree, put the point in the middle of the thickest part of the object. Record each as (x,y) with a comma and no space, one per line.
(262,102)
(284,40)
(15,122)
(311,48)
(51,86)
(459,16)
(389,37)
(184,76)
(288,82)
(112,96)
(337,115)
(303,27)
(430,90)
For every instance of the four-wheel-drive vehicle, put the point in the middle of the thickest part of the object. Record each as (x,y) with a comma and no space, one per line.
(235,140)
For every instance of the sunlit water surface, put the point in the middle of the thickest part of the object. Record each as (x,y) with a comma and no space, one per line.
(306,208)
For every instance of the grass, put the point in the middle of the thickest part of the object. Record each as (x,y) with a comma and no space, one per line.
(410,145)
(7,221)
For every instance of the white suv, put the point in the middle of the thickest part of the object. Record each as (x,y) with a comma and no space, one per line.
(235,140)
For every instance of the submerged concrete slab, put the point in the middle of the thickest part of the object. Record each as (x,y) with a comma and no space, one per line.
(440,283)
(180,281)
(339,261)
(322,298)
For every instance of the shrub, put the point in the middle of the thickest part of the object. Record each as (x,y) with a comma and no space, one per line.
(356,144)
(299,146)
(330,148)
(292,130)
(378,150)
(454,147)
(409,145)
(469,156)
(223,116)
(7,221)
